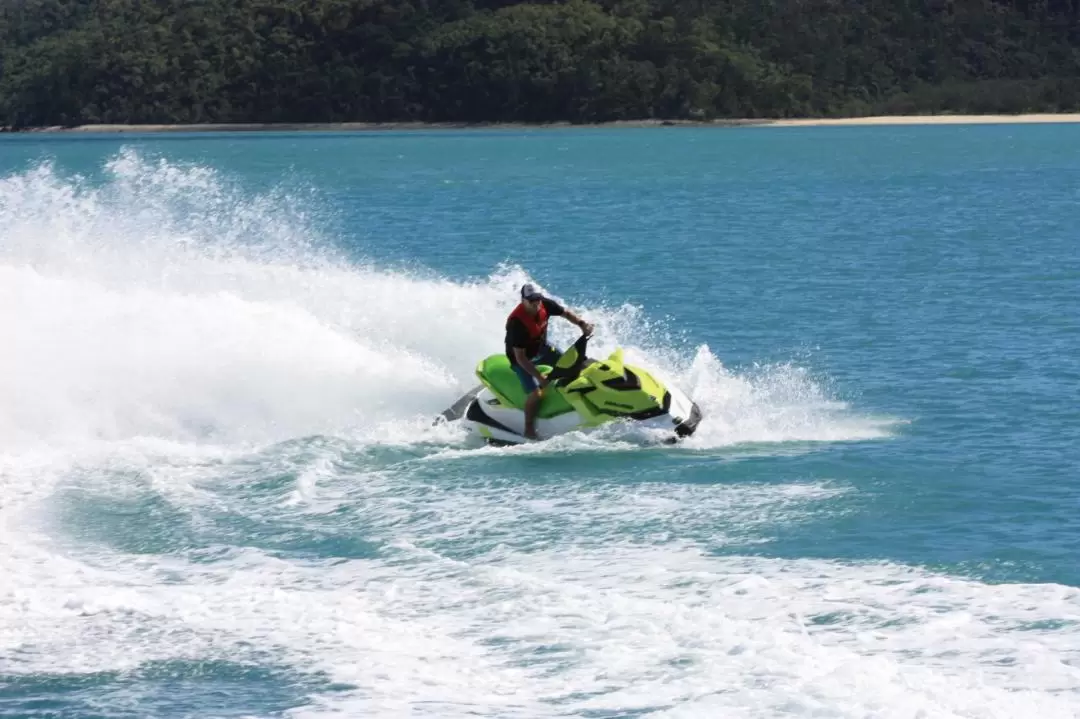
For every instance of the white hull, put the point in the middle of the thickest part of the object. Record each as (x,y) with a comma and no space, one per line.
(493,421)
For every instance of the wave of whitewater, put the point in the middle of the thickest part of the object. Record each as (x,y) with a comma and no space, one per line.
(166,303)
(172,338)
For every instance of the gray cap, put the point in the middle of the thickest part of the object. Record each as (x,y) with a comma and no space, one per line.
(529,292)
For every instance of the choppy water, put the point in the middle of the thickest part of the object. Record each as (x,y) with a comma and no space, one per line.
(221,496)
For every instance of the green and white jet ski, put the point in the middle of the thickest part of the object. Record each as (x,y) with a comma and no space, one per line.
(582,394)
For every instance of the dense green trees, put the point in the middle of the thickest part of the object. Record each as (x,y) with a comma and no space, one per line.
(187,61)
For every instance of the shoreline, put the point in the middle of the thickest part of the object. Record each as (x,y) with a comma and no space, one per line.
(1034,118)
(880,120)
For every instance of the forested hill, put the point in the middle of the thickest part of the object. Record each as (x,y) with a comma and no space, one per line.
(66,62)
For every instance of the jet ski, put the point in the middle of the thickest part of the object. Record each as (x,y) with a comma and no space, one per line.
(582,394)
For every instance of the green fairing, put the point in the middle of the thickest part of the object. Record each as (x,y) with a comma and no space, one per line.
(499,376)
(602,403)
(594,402)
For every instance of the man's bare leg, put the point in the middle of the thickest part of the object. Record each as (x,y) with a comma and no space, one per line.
(532,403)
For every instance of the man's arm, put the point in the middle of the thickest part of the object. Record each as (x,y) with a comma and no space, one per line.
(518,338)
(528,366)
(556,310)
(585,326)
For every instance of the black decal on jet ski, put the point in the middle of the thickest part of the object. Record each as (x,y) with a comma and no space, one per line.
(476,414)
(628,382)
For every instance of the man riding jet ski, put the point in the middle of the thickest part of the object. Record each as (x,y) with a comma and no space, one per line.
(527,345)
(581,393)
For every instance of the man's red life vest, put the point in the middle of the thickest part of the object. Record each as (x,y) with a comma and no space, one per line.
(536,326)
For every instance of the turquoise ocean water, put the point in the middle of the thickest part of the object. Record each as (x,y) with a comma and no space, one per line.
(221,496)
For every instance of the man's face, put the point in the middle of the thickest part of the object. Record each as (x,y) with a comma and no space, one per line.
(533,305)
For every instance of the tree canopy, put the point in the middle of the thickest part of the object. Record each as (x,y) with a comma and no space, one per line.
(67,62)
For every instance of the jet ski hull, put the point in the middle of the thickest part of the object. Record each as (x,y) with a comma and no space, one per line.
(486,417)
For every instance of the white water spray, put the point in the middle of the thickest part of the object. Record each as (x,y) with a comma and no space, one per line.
(165,302)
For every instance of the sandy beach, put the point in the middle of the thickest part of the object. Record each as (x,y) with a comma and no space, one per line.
(1034,118)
